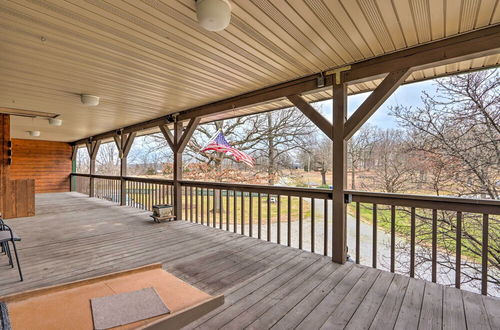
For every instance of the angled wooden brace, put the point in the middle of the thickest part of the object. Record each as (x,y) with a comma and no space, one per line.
(392,81)
(188,132)
(169,137)
(74,152)
(119,144)
(93,148)
(127,143)
(321,122)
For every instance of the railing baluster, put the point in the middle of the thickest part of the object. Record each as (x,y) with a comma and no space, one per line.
(325,227)
(197,215)
(278,220)
(220,209)
(214,210)
(300,221)
(374,248)
(153,194)
(191,204)
(250,214)
(150,197)
(434,245)
(141,194)
(145,195)
(358,232)
(289,221)
(412,242)
(259,216)
(202,212)
(235,212)
(208,207)
(458,250)
(242,213)
(484,256)
(393,237)
(313,231)
(158,193)
(268,217)
(227,210)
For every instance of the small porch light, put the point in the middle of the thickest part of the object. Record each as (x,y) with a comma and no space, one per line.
(213,15)
(34,133)
(89,100)
(55,121)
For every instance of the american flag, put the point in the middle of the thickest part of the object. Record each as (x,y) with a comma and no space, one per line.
(218,143)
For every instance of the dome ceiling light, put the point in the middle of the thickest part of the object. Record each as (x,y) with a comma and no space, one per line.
(89,100)
(55,121)
(34,133)
(213,15)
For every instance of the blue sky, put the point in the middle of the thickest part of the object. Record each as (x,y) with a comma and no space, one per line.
(406,95)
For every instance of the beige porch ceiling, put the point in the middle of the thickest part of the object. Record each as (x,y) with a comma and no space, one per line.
(149,58)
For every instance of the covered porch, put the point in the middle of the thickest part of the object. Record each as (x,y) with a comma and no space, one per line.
(265,284)
(79,75)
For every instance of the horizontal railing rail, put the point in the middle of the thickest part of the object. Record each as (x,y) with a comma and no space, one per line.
(301,218)
(428,201)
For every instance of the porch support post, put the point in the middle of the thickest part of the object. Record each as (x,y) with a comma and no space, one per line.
(72,181)
(339,246)
(123,144)
(177,171)
(178,142)
(92,148)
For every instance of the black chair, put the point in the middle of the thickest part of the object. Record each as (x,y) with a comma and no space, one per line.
(6,236)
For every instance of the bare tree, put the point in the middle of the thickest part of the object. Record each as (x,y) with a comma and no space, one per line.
(282,132)
(107,160)
(393,166)
(317,154)
(455,138)
(359,149)
(461,127)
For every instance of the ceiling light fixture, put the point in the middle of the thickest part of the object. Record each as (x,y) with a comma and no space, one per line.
(213,15)
(55,121)
(89,100)
(34,133)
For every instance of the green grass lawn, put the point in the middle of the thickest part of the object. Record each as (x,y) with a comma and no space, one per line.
(208,204)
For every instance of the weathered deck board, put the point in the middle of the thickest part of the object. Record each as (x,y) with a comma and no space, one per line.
(266,285)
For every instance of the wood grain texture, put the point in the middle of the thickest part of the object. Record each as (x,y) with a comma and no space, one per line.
(19,198)
(265,285)
(47,162)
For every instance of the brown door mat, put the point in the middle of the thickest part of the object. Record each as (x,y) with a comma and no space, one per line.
(128,307)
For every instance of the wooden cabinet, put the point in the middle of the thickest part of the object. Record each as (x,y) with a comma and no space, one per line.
(19,198)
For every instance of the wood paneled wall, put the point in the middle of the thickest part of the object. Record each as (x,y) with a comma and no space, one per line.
(4,166)
(49,163)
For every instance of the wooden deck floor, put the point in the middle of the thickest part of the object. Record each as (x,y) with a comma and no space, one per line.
(265,285)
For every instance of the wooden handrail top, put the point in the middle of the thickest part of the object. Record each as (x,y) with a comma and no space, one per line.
(365,195)
(273,190)
(486,206)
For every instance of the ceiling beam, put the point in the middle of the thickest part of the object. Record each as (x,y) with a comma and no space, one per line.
(321,122)
(464,46)
(374,101)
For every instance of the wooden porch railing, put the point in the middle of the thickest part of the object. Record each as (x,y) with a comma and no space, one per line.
(301,218)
